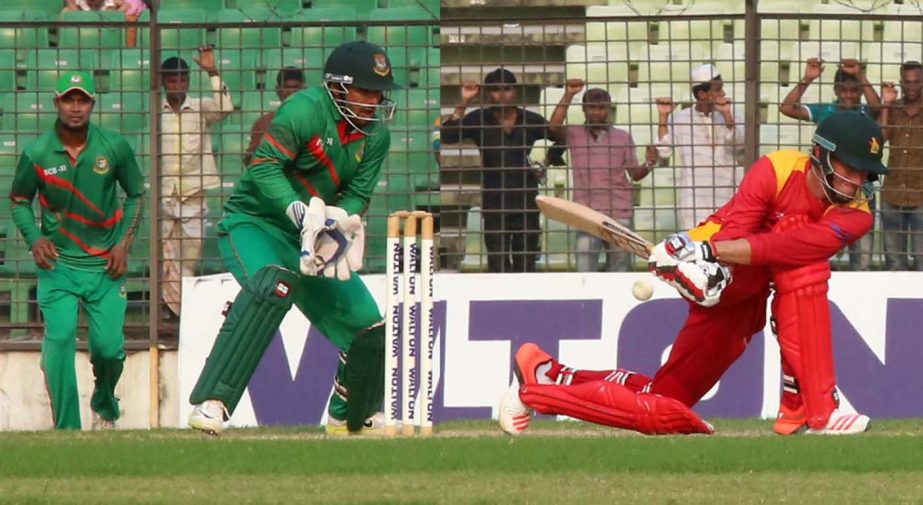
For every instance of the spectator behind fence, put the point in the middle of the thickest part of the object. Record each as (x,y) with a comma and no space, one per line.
(289,81)
(435,139)
(81,248)
(504,133)
(902,190)
(131,8)
(708,136)
(602,159)
(849,85)
(187,167)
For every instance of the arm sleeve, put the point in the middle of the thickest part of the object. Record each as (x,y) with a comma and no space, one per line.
(220,104)
(664,145)
(540,128)
(815,242)
(354,197)
(813,110)
(735,135)
(132,183)
(276,151)
(453,132)
(751,203)
(25,186)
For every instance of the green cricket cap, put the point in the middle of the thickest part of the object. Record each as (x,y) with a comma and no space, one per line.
(72,80)
(853,138)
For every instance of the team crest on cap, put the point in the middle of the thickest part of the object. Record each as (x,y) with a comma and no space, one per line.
(76,79)
(101,166)
(381,65)
(874,146)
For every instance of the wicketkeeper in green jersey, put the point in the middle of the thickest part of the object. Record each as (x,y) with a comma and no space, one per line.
(292,234)
(81,248)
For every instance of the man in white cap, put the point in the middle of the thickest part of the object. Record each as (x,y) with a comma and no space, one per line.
(708,134)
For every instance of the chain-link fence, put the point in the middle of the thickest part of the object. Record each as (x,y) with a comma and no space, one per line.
(191,135)
(640,61)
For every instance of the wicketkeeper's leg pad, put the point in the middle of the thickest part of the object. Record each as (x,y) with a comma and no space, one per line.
(802,313)
(248,329)
(364,375)
(612,404)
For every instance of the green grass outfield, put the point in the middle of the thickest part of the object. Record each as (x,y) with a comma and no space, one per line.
(469,462)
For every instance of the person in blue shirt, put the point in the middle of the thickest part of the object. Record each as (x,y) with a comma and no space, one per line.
(849,86)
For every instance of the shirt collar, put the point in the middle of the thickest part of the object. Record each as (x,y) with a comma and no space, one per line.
(188,104)
(56,144)
(608,126)
(490,117)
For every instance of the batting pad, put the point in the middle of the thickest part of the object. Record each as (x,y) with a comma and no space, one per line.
(802,313)
(247,331)
(364,375)
(612,404)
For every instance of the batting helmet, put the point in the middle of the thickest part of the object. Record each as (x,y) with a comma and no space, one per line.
(364,65)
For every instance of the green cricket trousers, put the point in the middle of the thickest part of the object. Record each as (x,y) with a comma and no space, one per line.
(59,291)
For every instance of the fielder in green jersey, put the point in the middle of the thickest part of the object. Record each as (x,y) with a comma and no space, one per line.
(81,248)
(292,234)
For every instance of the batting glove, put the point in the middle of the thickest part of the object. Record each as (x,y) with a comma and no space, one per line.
(699,281)
(680,248)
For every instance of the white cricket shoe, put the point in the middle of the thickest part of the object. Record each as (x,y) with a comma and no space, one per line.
(514,416)
(209,417)
(100,423)
(843,424)
(373,426)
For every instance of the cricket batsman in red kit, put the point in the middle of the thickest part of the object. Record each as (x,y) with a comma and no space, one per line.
(793,212)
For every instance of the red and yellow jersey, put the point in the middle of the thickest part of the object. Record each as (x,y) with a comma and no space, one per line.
(774,187)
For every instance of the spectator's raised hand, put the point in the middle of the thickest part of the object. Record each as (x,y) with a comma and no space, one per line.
(469,91)
(851,66)
(206,58)
(888,93)
(664,105)
(723,105)
(573,86)
(813,69)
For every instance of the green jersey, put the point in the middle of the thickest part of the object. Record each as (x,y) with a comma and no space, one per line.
(309,150)
(79,197)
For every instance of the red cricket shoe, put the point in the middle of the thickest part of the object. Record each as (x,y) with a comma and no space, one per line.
(790,421)
(528,358)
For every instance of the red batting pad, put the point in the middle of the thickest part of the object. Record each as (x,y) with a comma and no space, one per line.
(612,404)
(802,314)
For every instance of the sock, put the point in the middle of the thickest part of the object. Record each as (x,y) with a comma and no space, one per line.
(547,373)
(632,380)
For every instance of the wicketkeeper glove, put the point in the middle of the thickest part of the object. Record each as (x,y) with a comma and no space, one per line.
(700,281)
(332,242)
(311,222)
(339,260)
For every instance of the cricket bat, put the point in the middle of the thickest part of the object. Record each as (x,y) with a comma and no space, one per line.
(595,223)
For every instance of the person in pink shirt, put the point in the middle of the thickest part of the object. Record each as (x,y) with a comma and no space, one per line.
(602,158)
